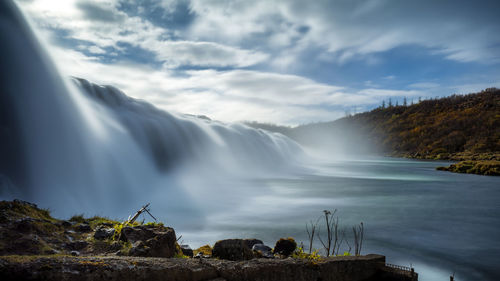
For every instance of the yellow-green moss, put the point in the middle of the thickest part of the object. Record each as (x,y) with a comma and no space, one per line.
(180,256)
(483,167)
(96,220)
(300,254)
(205,250)
(156,224)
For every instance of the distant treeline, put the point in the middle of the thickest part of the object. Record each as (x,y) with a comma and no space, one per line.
(457,126)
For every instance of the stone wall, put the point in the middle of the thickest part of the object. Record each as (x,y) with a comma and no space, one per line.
(364,268)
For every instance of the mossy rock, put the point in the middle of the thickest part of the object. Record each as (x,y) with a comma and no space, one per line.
(206,250)
(285,246)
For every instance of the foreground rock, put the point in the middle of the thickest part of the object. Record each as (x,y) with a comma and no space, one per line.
(26,229)
(261,250)
(101,249)
(234,249)
(150,240)
(104,232)
(187,251)
(367,268)
(285,246)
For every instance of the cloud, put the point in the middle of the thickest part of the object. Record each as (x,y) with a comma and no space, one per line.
(102,24)
(94,11)
(458,30)
(96,50)
(232,95)
(242,60)
(177,53)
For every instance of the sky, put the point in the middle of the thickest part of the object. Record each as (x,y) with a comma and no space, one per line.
(285,62)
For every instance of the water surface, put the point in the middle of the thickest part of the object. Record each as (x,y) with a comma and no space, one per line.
(438,222)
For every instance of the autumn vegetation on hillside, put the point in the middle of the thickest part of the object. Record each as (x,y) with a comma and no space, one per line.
(458,127)
(450,127)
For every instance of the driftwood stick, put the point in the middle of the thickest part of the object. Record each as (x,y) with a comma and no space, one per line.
(138,213)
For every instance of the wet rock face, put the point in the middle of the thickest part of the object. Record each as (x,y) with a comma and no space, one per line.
(232,249)
(285,246)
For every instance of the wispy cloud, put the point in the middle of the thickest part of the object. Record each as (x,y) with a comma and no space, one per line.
(459,30)
(251,60)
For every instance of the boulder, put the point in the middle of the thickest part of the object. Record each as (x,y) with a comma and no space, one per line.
(261,250)
(187,251)
(139,233)
(285,246)
(159,241)
(102,233)
(251,242)
(232,249)
(162,245)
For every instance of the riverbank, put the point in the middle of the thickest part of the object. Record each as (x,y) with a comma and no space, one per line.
(481,167)
(36,246)
(486,164)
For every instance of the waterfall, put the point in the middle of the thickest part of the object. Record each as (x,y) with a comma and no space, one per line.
(75,146)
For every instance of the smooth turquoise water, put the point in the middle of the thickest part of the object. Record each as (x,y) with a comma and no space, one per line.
(439,222)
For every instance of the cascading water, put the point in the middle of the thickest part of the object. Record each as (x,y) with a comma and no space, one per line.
(80,147)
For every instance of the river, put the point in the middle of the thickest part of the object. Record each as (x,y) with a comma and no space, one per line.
(440,223)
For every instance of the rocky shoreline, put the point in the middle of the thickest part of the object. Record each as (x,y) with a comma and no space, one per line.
(486,164)
(486,168)
(35,246)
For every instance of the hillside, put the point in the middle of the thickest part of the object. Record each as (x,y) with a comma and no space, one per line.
(456,127)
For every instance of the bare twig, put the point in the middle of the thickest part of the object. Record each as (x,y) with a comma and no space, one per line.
(358,232)
(311,232)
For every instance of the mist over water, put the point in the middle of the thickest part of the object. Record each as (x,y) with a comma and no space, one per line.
(76,147)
